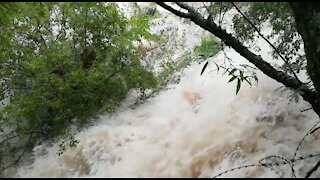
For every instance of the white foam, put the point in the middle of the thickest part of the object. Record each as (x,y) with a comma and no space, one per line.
(169,136)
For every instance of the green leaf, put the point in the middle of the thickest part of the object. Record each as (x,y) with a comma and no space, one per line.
(36,64)
(241,75)
(245,78)
(232,78)
(255,78)
(238,86)
(217,66)
(207,48)
(204,67)
(232,71)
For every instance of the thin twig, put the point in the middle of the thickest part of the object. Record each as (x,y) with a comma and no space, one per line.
(266,164)
(19,157)
(275,49)
(174,11)
(300,143)
(305,110)
(313,170)
(12,137)
(209,16)
(225,11)
(220,9)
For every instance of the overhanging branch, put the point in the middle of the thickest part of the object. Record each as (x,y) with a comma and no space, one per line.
(176,12)
(273,47)
(184,6)
(280,76)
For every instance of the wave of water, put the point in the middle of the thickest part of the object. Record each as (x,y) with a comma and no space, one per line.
(198,128)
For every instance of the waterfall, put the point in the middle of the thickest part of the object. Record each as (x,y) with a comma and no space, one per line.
(197,128)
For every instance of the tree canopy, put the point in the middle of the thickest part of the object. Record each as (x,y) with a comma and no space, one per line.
(62,64)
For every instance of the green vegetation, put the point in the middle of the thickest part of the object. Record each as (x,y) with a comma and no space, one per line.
(208,47)
(62,64)
(171,67)
(287,41)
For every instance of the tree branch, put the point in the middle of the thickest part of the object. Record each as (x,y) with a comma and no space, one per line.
(287,80)
(176,12)
(20,156)
(15,136)
(275,49)
(184,6)
(309,173)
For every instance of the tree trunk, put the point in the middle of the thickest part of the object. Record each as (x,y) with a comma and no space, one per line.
(307,17)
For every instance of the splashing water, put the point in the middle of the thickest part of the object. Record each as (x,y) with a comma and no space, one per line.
(198,128)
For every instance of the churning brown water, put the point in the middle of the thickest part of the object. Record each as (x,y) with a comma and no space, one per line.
(197,128)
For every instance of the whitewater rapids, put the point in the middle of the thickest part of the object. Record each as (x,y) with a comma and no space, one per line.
(197,128)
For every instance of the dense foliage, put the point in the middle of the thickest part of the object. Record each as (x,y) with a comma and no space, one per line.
(287,40)
(62,63)
(208,47)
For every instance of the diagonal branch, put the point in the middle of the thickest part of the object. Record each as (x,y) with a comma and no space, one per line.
(20,156)
(176,12)
(184,6)
(280,76)
(309,173)
(273,47)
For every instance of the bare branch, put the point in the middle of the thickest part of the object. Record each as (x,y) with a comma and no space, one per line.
(186,7)
(220,10)
(313,169)
(224,12)
(208,10)
(15,136)
(176,12)
(305,110)
(20,156)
